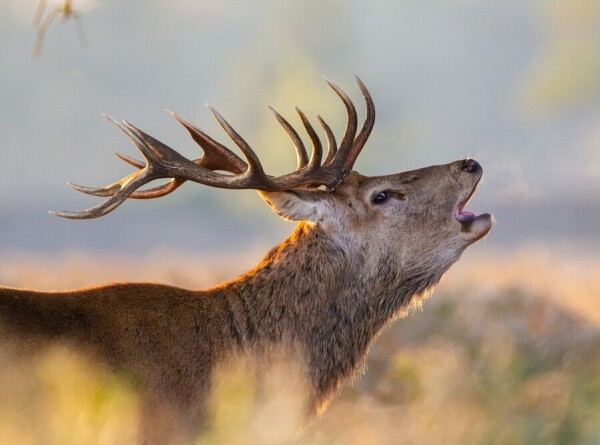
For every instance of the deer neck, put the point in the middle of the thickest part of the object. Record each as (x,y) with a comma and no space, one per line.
(311,271)
(324,298)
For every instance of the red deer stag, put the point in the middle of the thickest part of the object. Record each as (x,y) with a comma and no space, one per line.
(364,250)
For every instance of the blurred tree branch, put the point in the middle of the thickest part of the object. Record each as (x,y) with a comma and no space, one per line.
(65,10)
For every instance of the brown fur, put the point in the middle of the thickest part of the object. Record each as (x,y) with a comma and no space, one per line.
(321,296)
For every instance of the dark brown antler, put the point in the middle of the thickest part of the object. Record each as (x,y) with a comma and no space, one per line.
(162,161)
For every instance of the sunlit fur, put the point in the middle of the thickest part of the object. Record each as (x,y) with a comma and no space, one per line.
(320,297)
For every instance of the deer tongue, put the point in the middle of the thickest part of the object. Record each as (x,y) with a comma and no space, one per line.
(464,216)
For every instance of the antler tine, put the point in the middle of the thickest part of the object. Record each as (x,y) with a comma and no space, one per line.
(345,147)
(331,142)
(139,178)
(293,134)
(140,140)
(216,156)
(130,160)
(111,189)
(154,150)
(368,124)
(254,165)
(138,144)
(156,192)
(115,187)
(107,190)
(317,153)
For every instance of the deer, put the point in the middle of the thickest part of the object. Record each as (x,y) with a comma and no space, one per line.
(365,251)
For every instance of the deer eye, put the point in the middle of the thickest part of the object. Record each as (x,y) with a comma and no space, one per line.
(381,197)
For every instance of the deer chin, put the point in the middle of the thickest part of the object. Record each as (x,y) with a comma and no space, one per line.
(475,227)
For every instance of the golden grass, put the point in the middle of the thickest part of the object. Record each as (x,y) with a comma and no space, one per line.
(569,280)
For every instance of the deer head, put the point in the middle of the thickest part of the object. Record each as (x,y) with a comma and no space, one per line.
(402,231)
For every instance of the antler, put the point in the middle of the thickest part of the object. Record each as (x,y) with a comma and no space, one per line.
(162,161)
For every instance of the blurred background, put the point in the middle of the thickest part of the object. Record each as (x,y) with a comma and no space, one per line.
(508,349)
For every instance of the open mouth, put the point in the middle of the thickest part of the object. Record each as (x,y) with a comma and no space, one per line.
(463,215)
(466,216)
(473,227)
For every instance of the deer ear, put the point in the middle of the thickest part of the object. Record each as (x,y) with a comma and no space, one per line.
(297,205)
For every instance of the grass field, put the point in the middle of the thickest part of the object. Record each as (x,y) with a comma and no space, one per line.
(507,351)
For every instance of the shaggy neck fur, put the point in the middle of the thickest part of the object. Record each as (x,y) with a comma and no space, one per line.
(340,302)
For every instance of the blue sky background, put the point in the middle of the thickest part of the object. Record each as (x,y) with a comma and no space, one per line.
(514,84)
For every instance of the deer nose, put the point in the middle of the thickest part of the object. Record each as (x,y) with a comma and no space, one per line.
(470,166)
